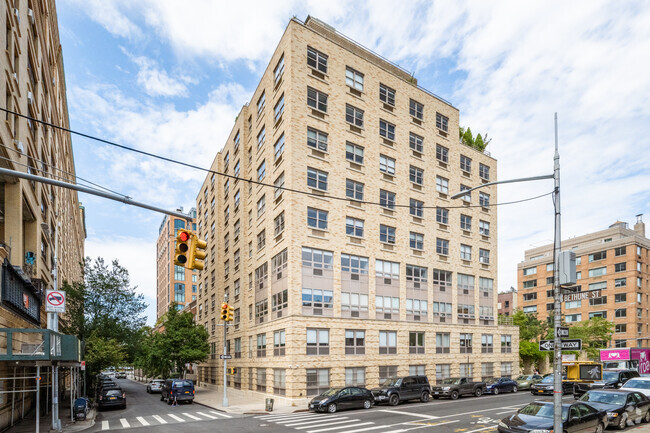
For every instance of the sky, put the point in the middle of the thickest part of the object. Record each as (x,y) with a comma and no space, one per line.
(170,77)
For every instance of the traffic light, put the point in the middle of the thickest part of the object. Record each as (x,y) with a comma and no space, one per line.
(229,314)
(197,253)
(224,311)
(183,238)
(232,370)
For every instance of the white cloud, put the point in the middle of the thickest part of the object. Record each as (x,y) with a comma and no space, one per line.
(112,15)
(156,81)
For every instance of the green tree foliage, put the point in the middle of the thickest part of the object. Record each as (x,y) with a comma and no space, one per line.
(177,342)
(467,138)
(102,353)
(531,330)
(595,333)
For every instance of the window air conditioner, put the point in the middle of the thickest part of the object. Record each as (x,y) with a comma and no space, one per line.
(30,98)
(30,14)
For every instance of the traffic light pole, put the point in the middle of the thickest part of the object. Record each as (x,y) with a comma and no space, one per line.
(557,364)
(225,366)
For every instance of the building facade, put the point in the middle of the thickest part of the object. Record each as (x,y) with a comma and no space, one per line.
(507,302)
(375,271)
(174,283)
(37,221)
(614,261)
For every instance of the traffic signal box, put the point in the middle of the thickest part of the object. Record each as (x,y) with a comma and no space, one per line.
(183,238)
(197,253)
(224,311)
(230,314)
(232,370)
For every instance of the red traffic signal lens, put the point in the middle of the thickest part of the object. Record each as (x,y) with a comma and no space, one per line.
(184,236)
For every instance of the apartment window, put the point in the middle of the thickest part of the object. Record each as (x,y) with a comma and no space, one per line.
(571,318)
(387,199)
(279,69)
(279,108)
(442,153)
(465,282)
(387,342)
(620,267)
(441,279)
(386,234)
(261,171)
(354,302)
(355,376)
(317,218)
(417,308)
(442,246)
(354,227)
(416,109)
(416,342)
(442,342)
(261,379)
(318,381)
(237,168)
(386,269)
(279,302)
(355,342)
(386,130)
(354,153)
(620,328)
(484,199)
(261,345)
(261,311)
(317,300)
(442,215)
(465,252)
(416,142)
(530,271)
(442,309)
(465,163)
(260,103)
(621,312)
(316,99)
(387,306)
(278,147)
(442,122)
(620,282)
(465,343)
(602,255)
(315,258)
(226,213)
(416,208)
(354,79)
(465,222)
(387,165)
(530,296)
(354,115)
(416,274)
(279,381)
(442,185)
(354,190)
(316,179)
(602,314)
(506,369)
(530,284)
(279,183)
(620,251)
(318,341)
(261,206)
(572,304)
(484,228)
(261,137)
(317,60)
(506,344)
(179,273)
(416,240)
(597,272)
(487,344)
(484,171)
(484,256)
(278,224)
(416,175)
(386,372)
(386,94)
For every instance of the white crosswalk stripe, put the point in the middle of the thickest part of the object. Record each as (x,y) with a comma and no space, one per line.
(189,415)
(125,423)
(160,419)
(306,422)
(220,414)
(104,425)
(313,421)
(152,420)
(143,421)
(177,418)
(338,427)
(206,415)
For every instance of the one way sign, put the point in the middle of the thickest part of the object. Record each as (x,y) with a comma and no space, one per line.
(547,345)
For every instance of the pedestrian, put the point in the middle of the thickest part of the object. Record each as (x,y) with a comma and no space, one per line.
(174,401)
(536,372)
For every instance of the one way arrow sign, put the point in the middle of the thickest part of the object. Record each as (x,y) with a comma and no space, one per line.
(547,345)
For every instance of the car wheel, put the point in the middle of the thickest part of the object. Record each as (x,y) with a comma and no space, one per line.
(393,400)
(331,408)
(515,389)
(622,423)
(495,391)
(454,395)
(478,392)
(424,397)
(367,404)
(646,418)
(600,428)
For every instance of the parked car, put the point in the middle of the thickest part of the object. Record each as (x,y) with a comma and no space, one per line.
(335,399)
(498,385)
(545,386)
(455,387)
(155,386)
(397,389)
(111,397)
(538,416)
(612,379)
(182,389)
(120,375)
(640,384)
(526,380)
(622,407)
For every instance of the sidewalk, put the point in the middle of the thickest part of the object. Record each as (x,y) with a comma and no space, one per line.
(27,425)
(247,402)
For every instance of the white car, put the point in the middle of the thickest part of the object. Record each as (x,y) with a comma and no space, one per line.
(639,384)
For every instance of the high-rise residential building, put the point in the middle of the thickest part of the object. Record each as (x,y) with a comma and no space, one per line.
(612,263)
(174,283)
(38,222)
(370,270)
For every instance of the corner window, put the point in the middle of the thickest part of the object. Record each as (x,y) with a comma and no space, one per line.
(279,70)
(317,60)
(278,109)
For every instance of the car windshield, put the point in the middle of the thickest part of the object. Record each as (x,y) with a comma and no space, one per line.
(522,377)
(542,410)
(330,392)
(610,375)
(547,379)
(451,381)
(114,393)
(639,384)
(492,380)
(604,397)
(181,384)
(393,381)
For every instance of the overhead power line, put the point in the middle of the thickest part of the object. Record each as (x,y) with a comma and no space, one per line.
(250,181)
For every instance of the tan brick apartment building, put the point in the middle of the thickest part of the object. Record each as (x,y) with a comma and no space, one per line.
(615,261)
(363,278)
(34,217)
(174,283)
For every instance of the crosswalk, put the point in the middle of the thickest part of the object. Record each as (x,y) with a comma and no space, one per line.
(322,423)
(168,418)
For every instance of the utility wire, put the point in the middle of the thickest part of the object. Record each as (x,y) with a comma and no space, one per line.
(250,181)
(98,187)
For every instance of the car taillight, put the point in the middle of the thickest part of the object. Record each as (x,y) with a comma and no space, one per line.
(123,395)
(193,392)
(100,397)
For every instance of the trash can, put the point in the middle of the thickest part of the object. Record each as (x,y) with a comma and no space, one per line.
(269,405)
(80,409)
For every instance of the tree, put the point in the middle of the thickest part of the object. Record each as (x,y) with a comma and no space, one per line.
(102,353)
(468,139)
(595,333)
(531,330)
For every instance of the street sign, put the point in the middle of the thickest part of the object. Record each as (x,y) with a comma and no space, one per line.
(579,296)
(225,356)
(55,301)
(562,332)
(83,365)
(547,345)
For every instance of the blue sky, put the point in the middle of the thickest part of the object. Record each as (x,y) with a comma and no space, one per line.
(169,77)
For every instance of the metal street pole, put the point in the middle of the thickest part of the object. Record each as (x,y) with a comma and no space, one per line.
(557,365)
(225,364)
(53,324)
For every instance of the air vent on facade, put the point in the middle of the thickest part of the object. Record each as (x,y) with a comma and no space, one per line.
(279,314)
(487,322)
(416,285)
(318,272)
(387,281)
(387,316)
(261,286)
(354,277)
(442,319)
(442,289)
(486,294)
(318,311)
(262,319)
(354,314)
(279,275)
(465,320)
(465,292)
(416,318)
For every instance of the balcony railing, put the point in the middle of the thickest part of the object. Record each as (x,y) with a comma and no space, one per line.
(25,344)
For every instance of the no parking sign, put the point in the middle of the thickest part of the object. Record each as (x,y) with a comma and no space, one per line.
(55,301)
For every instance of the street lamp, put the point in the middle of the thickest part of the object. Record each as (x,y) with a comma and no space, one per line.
(557,362)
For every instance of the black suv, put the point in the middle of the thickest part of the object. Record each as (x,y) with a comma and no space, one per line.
(397,389)
(613,378)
